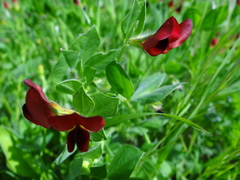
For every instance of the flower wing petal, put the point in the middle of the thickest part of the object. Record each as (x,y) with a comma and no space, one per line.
(161,47)
(93,124)
(167,33)
(186,29)
(27,114)
(175,33)
(78,136)
(63,123)
(82,138)
(170,29)
(67,122)
(37,105)
(71,141)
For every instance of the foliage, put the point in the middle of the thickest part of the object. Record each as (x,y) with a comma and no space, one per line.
(173,116)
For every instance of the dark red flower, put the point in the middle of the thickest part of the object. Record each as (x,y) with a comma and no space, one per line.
(171,3)
(168,36)
(76,2)
(214,42)
(40,111)
(37,108)
(79,126)
(6,5)
(179,8)
(14,1)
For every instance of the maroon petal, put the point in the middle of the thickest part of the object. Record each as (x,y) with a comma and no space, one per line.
(67,122)
(175,33)
(80,137)
(158,43)
(186,29)
(37,107)
(151,46)
(170,29)
(27,114)
(71,140)
(159,48)
(63,123)
(93,124)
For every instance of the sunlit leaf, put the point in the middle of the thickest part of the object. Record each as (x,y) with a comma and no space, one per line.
(124,162)
(100,60)
(105,106)
(71,57)
(59,70)
(86,43)
(82,102)
(130,20)
(119,80)
(69,86)
(156,95)
(149,83)
(18,161)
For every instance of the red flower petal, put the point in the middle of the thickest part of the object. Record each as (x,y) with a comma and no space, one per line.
(27,115)
(186,29)
(6,5)
(175,33)
(67,122)
(159,48)
(214,42)
(167,33)
(170,29)
(76,2)
(80,137)
(37,108)
(71,140)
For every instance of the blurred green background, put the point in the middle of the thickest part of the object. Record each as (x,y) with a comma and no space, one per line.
(32,35)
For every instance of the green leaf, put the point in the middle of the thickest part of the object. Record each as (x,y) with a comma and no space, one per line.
(93,152)
(173,67)
(17,160)
(82,102)
(119,80)
(154,123)
(122,118)
(138,130)
(69,86)
(63,156)
(126,117)
(98,136)
(75,167)
(130,20)
(89,74)
(100,60)
(71,57)
(149,84)
(154,96)
(141,17)
(124,162)
(105,106)
(100,172)
(190,123)
(59,70)
(193,14)
(86,43)
(215,17)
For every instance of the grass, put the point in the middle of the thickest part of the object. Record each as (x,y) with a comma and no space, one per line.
(170,146)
